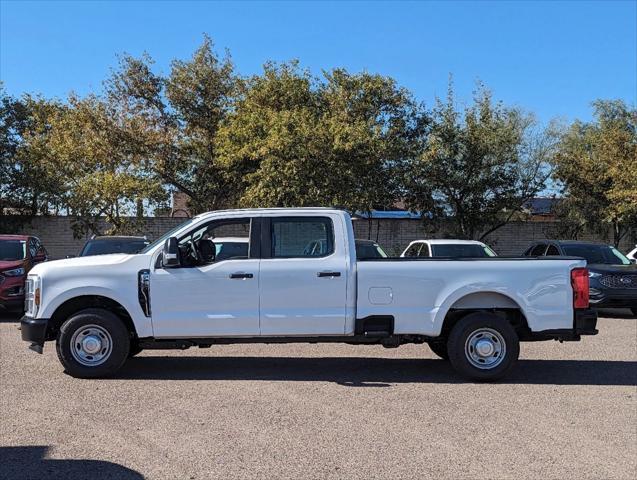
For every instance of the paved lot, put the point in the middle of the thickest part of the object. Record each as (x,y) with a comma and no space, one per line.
(324,411)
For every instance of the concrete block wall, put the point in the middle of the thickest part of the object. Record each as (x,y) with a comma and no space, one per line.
(394,235)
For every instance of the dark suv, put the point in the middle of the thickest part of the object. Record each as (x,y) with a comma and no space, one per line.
(613,279)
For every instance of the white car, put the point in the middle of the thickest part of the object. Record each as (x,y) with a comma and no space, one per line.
(448,248)
(176,293)
(632,255)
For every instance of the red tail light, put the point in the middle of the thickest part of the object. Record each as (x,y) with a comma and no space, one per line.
(579,281)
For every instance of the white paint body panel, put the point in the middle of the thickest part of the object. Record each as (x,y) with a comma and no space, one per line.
(287,298)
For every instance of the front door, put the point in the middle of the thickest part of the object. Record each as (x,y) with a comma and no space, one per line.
(218,299)
(303,281)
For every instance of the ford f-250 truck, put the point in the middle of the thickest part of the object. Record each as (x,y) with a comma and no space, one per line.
(174,294)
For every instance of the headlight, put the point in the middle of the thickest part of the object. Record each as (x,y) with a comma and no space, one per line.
(594,274)
(16,272)
(32,295)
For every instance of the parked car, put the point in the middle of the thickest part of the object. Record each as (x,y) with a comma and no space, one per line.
(104,245)
(448,248)
(177,294)
(18,254)
(612,277)
(368,249)
(632,255)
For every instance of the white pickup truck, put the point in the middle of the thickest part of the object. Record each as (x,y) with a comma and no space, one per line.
(174,294)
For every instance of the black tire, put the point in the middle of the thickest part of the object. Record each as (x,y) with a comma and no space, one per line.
(494,332)
(440,349)
(634,310)
(99,324)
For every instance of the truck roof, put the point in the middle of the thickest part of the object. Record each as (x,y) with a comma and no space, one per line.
(249,211)
(449,241)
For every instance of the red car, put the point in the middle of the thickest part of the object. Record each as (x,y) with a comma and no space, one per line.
(18,254)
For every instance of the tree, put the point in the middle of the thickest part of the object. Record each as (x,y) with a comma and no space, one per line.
(25,187)
(595,164)
(297,140)
(100,176)
(480,166)
(173,121)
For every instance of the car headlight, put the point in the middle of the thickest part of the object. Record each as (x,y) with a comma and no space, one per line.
(594,274)
(16,272)
(32,295)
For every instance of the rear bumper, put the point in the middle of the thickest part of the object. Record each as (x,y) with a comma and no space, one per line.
(34,330)
(584,323)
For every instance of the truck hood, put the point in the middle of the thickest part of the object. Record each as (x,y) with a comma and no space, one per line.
(84,262)
(604,268)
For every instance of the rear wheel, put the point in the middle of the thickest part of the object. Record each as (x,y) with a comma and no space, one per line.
(440,349)
(93,343)
(483,346)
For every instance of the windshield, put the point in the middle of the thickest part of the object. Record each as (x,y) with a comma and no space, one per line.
(462,250)
(13,249)
(597,254)
(166,235)
(106,246)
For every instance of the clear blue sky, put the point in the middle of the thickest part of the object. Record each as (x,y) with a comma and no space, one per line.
(552,58)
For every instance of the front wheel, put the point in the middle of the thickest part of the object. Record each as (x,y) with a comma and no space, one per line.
(93,343)
(483,346)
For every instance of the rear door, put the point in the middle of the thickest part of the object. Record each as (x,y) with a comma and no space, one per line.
(303,282)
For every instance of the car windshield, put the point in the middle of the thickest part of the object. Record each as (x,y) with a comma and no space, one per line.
(13,249)
(106,246)
(369,250)
(597,254)
(462,250)
(168,234)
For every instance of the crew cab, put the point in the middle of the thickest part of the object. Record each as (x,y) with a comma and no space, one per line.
(176,294)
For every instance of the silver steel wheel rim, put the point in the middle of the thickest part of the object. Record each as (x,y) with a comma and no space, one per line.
(91,345)
(485,348)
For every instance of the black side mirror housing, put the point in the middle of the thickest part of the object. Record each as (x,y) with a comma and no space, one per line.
(170,253)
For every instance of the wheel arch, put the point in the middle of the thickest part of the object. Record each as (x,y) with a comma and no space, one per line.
(465,302)
(82,302)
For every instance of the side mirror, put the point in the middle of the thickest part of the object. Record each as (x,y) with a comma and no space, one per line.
(207,250)
(170,253)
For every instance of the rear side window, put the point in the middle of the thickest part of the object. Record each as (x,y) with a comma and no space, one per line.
(301,237)
(459,250)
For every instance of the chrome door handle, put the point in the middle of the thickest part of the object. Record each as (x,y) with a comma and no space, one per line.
(328,274)
(241,275)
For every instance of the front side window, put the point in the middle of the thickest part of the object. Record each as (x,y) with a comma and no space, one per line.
(538,250)
(301,237)
(231,238)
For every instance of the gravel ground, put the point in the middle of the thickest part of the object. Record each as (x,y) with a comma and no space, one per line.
(323,411)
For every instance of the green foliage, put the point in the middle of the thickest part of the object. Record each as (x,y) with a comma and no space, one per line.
(297,140)
(479,166)
(596,164)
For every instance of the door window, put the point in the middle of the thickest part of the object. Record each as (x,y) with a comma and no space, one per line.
(413,250)
(231,238)
(301,237)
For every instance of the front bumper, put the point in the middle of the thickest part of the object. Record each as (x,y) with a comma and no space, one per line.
(34,330)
